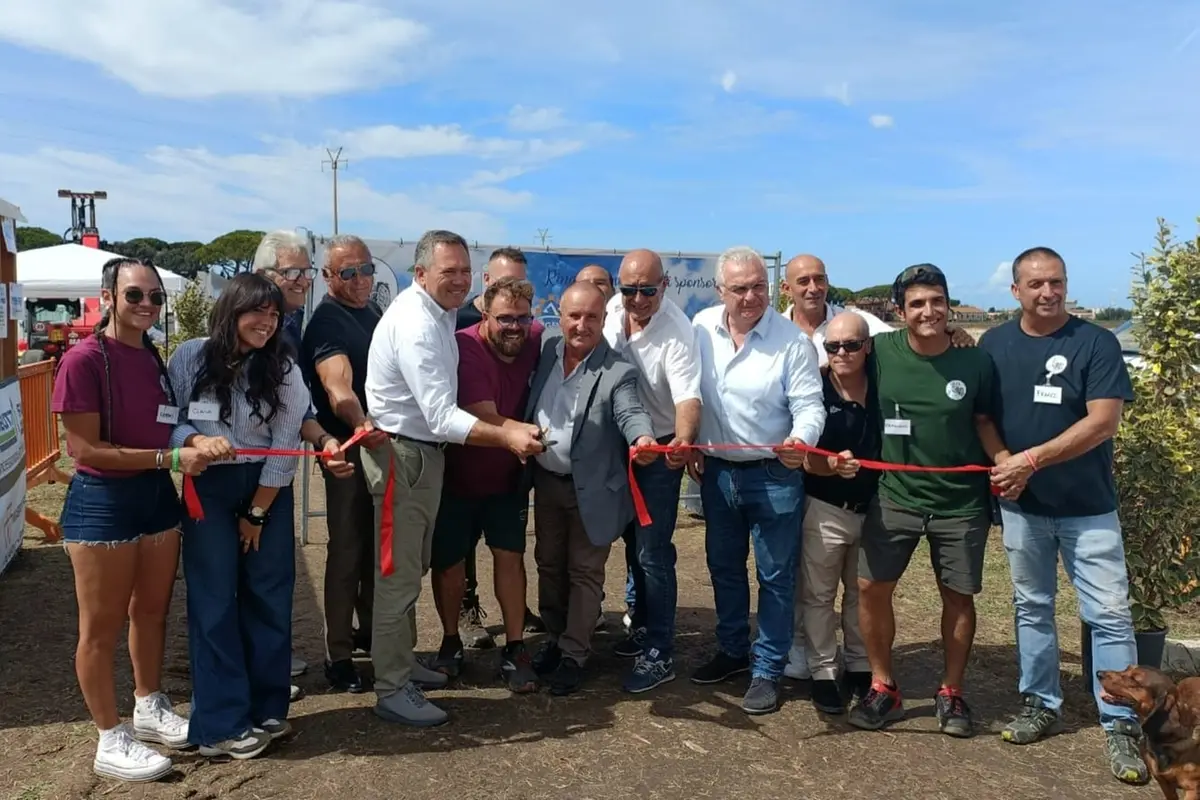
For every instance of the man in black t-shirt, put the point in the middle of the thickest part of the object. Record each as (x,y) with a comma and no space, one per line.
(1062,386)
(334,355)
(504,262)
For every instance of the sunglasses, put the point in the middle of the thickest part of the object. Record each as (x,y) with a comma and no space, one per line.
(849,345)
(511,321)
(350,273)
(644,291)
(135,296)
(912,273)
(296,273)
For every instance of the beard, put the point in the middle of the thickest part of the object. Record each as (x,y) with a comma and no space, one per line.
(508,344)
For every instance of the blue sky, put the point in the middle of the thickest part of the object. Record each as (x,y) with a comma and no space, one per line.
(875,134)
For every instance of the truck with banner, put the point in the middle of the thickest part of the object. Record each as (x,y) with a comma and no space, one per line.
(691,277)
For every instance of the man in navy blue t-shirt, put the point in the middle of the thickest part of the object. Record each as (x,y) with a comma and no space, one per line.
(1062,384)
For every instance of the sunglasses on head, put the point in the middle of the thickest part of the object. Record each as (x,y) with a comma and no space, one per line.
(135,296)
(644,291)
(849,345)
(350,273)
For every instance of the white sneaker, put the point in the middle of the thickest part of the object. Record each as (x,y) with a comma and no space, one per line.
(123,757)
(154,720)
(299,666)
(248,745)
(797,666)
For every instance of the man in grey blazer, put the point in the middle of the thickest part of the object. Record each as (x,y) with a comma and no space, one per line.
(584,396)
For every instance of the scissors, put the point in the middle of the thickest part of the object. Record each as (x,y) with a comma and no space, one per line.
(542,434)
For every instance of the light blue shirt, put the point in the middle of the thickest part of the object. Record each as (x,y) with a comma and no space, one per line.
(244,429)
(555,411)
(762,393)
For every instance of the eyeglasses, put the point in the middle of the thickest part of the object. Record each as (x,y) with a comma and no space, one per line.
(644,291)
(742,291)
(296,273)
(510,321)
(135,296)
(350,273)
(849,345)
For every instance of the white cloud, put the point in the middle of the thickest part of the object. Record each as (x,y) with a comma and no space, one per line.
(1001,276)
(393,141)
(534,120)
(206,48)
(729,80)
(881,121)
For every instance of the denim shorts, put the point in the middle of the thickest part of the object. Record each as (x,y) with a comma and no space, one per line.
(115,510)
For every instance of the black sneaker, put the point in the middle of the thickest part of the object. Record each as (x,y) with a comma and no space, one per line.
(450,657)
(953,714)
(343,676)
(567,678)
(471,628)
(762,697)
(722,667)
(881,706)
(827,697)
(517,669)
(361,640)
(1033,723)
(855,685)
(547,658)
(632,645)
(533,623)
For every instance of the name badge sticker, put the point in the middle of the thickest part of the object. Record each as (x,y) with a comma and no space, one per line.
(897,427)
(168,415)
(1049,395)
(204,412)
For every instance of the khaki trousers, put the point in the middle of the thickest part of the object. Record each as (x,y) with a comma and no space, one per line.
(415,471)
(829,556)
(570,568)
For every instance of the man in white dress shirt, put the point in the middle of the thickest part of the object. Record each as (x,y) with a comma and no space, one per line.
(807,284)
(655,335)
(412,390)
(760,384)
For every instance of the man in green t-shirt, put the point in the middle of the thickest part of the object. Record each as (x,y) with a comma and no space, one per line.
(935,404)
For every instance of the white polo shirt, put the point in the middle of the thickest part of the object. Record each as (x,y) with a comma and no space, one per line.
(761,393)
(412,371)
(666,357)
(875,326)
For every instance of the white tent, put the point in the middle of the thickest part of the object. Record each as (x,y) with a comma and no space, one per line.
(72,271)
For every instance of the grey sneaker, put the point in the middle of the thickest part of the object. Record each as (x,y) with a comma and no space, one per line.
(248,745)
(409,707)
(426,678)
(762,697)
(276,728)
(1033,723)
(1124,753)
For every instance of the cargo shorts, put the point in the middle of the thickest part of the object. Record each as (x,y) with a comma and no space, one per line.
(957,545)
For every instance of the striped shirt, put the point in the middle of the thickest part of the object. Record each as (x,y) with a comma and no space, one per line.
(244,430)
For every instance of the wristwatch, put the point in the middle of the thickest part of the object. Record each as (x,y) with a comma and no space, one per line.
(256,516)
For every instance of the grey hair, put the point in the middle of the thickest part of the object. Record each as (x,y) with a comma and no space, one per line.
(741,254)
(341,242)
(430,240)
(281,241)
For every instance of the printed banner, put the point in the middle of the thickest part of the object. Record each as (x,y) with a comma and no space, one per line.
(12,472)
(691,278)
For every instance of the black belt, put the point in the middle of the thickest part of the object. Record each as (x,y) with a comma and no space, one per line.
(756,462)
(854,507)
(400,437)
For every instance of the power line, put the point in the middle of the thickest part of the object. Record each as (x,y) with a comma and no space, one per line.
(544,235)
(335,160)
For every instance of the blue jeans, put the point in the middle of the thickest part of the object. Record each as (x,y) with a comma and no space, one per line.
(108,510)
(652,565)
(239,607)
(763,502)
(1093,555)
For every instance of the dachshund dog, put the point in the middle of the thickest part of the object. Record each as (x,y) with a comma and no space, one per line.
(1170,718)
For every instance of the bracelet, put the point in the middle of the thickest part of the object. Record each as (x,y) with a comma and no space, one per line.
(323,440)
(175,460)
(1032,461)
(158,459)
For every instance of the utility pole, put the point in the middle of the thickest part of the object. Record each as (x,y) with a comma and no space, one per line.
(335,160)
(544,235)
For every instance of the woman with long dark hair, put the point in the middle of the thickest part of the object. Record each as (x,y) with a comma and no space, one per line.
(121,515)
(240,388)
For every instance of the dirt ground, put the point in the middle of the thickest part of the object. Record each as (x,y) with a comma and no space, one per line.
(680,741)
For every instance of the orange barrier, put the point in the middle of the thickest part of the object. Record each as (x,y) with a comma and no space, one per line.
(42,448)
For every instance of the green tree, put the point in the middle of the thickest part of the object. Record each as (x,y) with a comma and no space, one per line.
(1158,445)
(839,296)
(32,238)
(191,313)
(230,253)
(1113,314)
(180,258)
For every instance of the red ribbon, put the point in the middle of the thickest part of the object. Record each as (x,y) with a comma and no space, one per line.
(643,513)
(191,499)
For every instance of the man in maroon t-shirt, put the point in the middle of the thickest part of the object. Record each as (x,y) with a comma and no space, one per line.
(481,492)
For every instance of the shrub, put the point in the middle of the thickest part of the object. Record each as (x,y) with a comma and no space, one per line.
(1158,444)
(191,310)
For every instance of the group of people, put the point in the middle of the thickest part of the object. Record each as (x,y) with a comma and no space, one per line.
(462,406)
